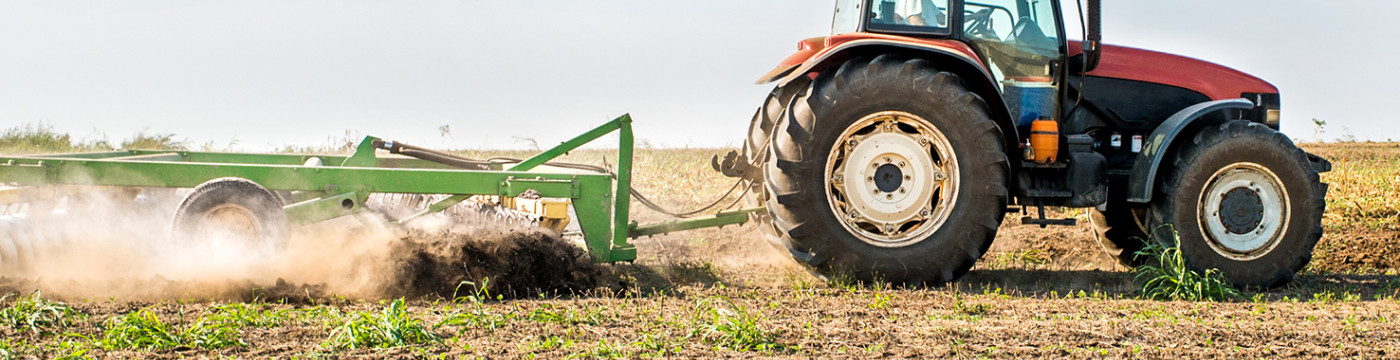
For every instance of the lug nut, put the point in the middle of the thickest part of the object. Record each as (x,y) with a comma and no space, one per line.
(870,178)
(854,215)
(923,141)
(838,178)
(901,190)
(889,196)
(852,143)
(901,164)
(924,212)
(907,178)
(887,160)
(939,176)
(889,228)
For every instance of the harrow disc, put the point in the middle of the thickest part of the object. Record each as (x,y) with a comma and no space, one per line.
(24,241)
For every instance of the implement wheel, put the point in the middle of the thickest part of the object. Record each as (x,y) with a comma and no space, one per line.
(887,170)
(1242,199)
(232,209)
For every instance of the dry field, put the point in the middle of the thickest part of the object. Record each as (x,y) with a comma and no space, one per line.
(726,293)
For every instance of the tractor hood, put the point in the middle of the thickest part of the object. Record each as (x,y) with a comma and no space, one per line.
(1214,81)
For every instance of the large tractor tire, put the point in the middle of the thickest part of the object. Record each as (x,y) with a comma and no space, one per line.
(756,150)
(887,170)
(235,210)
(1120,231)
(1241,198)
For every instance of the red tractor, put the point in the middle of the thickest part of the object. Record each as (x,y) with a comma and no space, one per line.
(892,149)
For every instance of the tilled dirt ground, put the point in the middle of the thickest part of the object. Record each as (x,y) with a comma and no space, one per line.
(1048,293)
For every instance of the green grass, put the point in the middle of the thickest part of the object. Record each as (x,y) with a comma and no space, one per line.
(721,322)
(35,314)
(1166,276)
(390,328)
(142,329)
(249,315)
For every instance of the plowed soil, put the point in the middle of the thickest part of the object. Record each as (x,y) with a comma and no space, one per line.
(1047,293)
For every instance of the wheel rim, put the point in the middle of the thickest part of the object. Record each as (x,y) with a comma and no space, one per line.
(1244,211)
(892,179)
(231,220)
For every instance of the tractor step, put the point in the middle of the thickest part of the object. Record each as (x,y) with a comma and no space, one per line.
(1043,222)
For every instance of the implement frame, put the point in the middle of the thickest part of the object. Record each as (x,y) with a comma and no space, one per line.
(340,187)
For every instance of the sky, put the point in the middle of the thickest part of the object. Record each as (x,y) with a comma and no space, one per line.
(263,74)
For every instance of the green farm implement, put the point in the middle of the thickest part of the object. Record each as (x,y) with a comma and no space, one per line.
(259,196)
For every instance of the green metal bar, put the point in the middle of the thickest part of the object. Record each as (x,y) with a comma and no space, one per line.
(575,143)
(92,155)
(162,156)
(737,217)
(623,195)
(326,208)
(29,171)
(622,122)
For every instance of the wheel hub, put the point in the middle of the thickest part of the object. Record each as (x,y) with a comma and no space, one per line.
(1244,211)
(232,221)
(1241,210)
(888,178)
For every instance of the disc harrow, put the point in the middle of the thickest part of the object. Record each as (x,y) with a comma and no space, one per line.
(259,196)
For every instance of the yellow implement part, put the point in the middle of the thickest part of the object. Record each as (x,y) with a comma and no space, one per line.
(553,212)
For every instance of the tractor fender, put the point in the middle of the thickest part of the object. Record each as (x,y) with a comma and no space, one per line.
(816,56)
(1156,146)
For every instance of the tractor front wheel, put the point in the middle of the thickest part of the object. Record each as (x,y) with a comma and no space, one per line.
(1241,198)
(887,170)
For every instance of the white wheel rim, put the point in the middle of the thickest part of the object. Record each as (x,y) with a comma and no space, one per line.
(1244,211)
(892,179)
(231,220)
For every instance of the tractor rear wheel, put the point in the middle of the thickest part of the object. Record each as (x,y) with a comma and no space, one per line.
(1242,198)
(887,170)
(233,209)
(756,151)
(1120,231)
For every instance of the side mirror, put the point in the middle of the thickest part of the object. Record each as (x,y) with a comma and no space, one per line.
(1093,43)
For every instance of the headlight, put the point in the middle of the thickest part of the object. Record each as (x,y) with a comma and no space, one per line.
(1266,108)
(1272,118)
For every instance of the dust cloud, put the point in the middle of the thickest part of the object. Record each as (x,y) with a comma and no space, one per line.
(98,249)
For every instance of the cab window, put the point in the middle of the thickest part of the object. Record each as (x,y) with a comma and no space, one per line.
(928,16)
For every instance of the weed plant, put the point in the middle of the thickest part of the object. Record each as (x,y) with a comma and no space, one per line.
(721,322)
(142,329)
(1166,276)
(477,314)
(37,315)
(392,327)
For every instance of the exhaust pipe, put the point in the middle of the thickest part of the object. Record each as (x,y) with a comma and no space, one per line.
(1094,39)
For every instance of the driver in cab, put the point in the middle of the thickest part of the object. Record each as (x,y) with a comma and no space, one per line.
(921,13)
